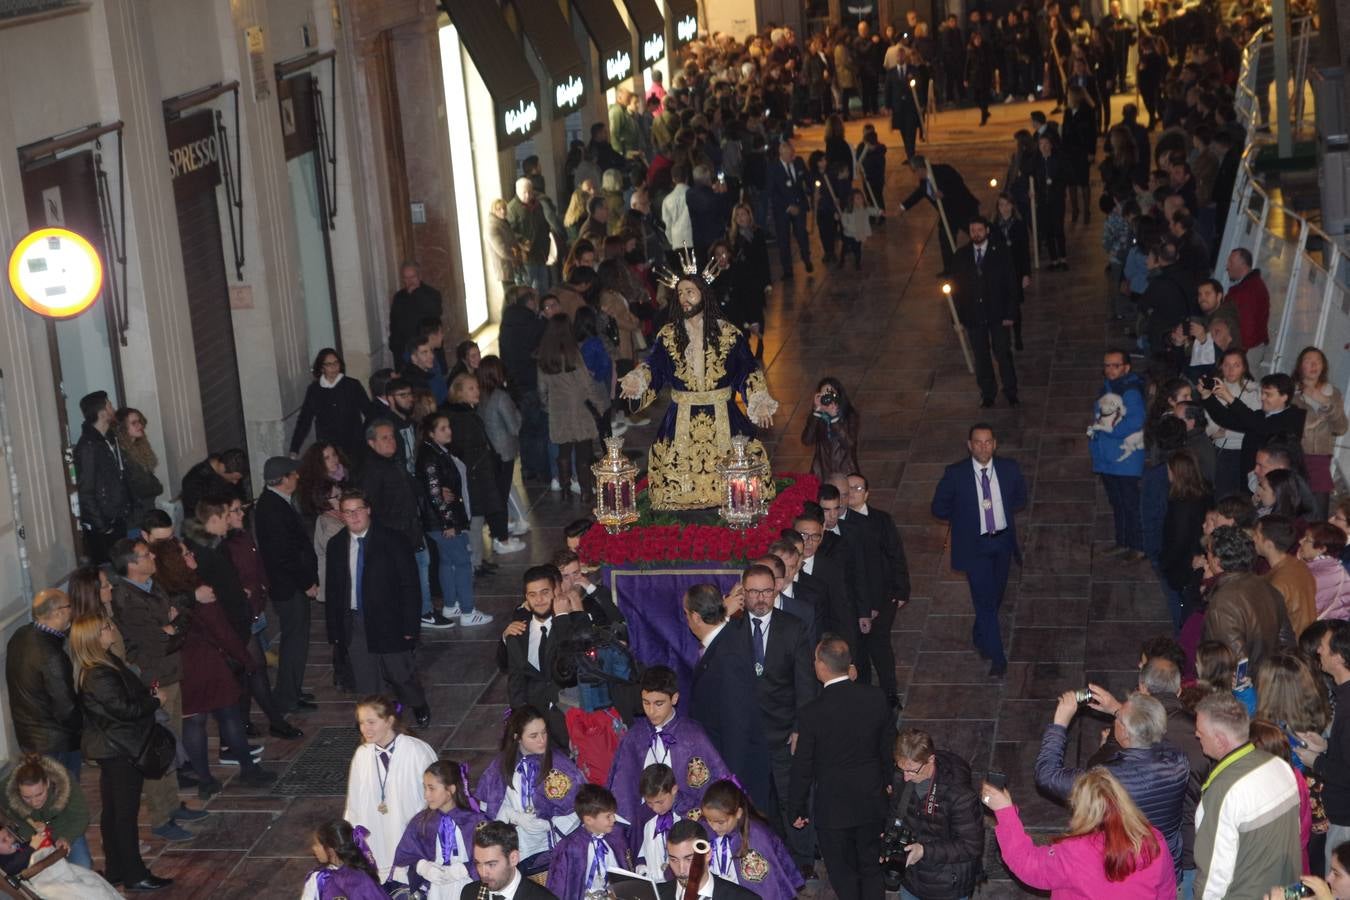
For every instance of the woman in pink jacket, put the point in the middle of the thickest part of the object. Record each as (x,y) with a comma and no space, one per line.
(1110,851)
(1321,549)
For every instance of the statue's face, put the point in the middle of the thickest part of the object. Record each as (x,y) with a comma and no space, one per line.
(691,301)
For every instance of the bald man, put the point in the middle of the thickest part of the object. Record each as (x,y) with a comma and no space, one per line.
(42,684)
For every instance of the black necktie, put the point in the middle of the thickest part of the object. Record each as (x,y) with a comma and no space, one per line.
(543,646)
(979,259)
(498,897)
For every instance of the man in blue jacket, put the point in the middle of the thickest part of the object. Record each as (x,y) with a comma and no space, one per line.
(1117,445)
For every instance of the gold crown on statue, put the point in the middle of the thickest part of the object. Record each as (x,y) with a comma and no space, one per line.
(688,268)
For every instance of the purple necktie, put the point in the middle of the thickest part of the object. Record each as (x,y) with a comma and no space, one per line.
(988,501)
(665,822)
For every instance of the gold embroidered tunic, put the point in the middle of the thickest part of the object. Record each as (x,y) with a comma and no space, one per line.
(695,434)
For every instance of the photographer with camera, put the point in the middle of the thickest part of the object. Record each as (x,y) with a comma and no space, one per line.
(831,431)
(1153,772)
(934,838)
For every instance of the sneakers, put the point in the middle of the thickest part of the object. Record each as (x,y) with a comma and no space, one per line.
(575,487)
(469,619)
(511,544)
(172,832)
(208,789)
(450,612)
(518,528)
(436,620)
(190,815)
(618,429)
(554,486)
(227,758)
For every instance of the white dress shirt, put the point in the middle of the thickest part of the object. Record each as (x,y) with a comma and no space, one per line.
(536,632)
(809,565)
(712,635)
(1000,518)
(657,752)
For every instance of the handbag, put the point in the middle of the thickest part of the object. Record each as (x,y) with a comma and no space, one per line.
(157,753)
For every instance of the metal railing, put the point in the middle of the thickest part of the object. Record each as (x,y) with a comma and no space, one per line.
(1305,270)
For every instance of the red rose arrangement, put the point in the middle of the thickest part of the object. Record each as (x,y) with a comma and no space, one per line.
(645,545)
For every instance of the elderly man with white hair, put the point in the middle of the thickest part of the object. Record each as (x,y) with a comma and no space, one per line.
(529,222)
(1152,771)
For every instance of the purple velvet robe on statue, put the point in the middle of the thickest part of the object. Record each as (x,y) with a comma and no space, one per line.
(691,746)
(766,867)
(491,789)
(419,841)
(329,883)
(568,870)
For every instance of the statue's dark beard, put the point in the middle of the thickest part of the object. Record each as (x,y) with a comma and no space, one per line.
(691,313)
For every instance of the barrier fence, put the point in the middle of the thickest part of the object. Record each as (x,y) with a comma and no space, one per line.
(1304,268)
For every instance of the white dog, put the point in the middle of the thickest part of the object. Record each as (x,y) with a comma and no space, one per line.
(1110,412)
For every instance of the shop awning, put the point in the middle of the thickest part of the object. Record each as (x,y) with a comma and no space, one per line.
(497,54)
(551,39)
(683,15)
(612,39)
(651,30)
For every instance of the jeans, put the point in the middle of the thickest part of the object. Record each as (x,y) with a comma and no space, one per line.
(1186,890)
(424,578)
(79,853)
(533,435)
(536,275)
(72,760)
(1123,493)
(231,726)
(456,570)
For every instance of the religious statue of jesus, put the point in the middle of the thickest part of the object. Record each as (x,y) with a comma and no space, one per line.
(707,363)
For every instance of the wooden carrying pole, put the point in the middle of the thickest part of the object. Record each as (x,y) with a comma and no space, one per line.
(918,108)
(961,336)
(1035,237)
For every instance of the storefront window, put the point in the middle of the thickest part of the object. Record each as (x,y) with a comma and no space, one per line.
(310,223)
(466,100)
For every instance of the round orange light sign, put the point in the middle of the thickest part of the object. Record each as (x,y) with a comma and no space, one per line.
(56,273)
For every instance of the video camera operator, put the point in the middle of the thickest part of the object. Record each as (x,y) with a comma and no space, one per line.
(934,840)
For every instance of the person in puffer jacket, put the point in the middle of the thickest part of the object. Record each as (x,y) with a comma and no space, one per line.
(1116,438)
(933,798)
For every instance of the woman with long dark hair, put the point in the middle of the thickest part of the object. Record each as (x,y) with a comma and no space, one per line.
(831,431)
(1188,498)
(471,445)
(140,460)
(1079,133)
(573,399)
(445,520)
(334,404)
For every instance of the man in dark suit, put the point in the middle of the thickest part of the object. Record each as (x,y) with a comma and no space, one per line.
(287,549)
(532,653)
(880,582)
(783,560)
(824,580)
(786,180)
(496,854)
(372,605)
(725,699)
(780,645)
(684,859)
(984,290)
(978,498)
(958,203)
(905,113)
(845,740)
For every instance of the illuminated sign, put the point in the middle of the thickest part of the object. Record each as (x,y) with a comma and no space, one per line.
(521,119)
(653,49)
(568,94)
(686,29)
(619,66)
(56,273)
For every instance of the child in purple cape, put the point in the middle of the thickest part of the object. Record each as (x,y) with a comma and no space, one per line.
(582,860)
(346,866)
(435,854)
(528,786)
(744,849)
(666,738)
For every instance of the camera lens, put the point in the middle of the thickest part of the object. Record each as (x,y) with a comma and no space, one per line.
(1083,695)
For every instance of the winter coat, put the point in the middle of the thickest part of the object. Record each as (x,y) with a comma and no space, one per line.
(501,419)
(1325,420)
(1247,614)
(215,568)
(1181,536)
(118,712)
(502,243)
(834,445)
(66,812)
(242,550)
(1252,299)
(217,654)
(100,469)
(951,830)
(42,701)
(469,442)
(564,395)
(1333,589)
(338,414)
(1117,445)
(143,484)
(392,493)
(1074,869)
(437,472)
(141,616)
(518,338)
(1153,510)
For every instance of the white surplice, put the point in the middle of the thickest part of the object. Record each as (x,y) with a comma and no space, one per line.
(402,794)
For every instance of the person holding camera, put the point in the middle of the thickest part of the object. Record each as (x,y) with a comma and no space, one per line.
(532,652)
(832,430)
(934,838)
(1154,773)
